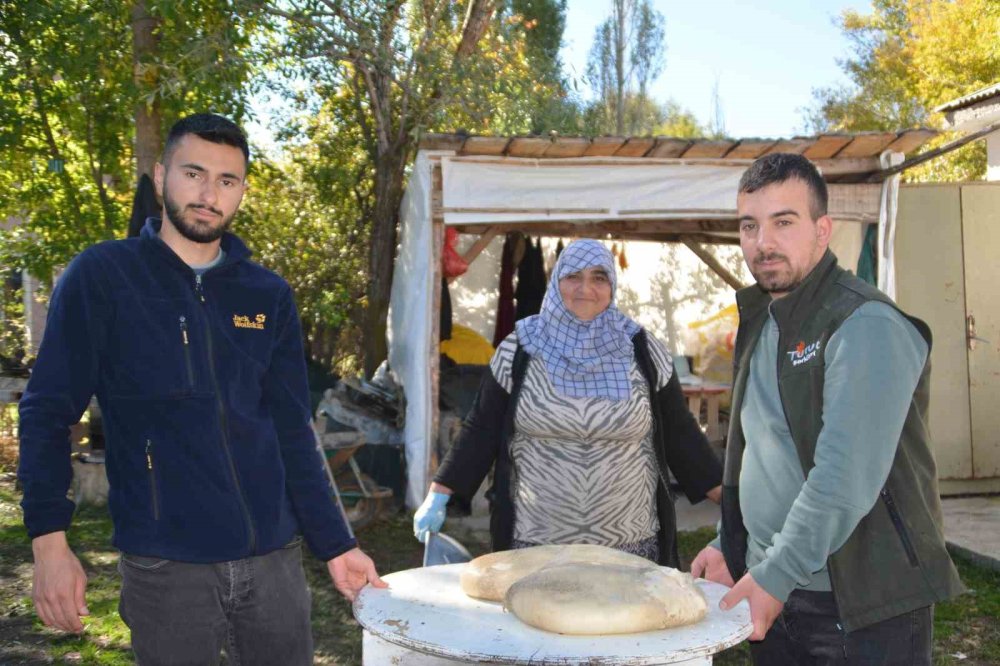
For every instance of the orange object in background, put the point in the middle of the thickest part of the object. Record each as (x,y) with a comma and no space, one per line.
(452,263)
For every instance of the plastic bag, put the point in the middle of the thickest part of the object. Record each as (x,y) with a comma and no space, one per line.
(711,342)
(452,263)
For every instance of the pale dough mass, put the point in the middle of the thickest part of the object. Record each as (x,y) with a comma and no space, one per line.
(585,590)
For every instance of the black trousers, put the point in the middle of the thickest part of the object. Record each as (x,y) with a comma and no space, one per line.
(808,632)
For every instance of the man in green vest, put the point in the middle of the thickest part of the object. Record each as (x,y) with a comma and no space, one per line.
(831,520)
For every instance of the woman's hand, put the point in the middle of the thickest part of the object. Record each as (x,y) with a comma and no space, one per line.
(430,515)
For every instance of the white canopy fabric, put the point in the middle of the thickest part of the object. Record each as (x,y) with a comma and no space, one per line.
(410,318)
(497,190)
(489,190)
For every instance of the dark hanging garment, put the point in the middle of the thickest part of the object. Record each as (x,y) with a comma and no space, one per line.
(446,315)
(505,302)
(531,281)
(144,205)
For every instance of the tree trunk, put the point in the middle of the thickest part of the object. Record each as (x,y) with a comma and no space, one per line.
(389,171)
(476,21)
(619,34)
(147,116)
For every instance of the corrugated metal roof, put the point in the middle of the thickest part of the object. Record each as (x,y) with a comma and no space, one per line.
(970,99)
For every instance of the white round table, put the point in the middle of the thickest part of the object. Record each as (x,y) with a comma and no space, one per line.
(424,619)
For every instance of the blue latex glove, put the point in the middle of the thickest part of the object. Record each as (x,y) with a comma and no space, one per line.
(430,515)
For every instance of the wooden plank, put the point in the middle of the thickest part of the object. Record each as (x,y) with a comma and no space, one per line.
(727,234)
(480,244)
(910,140)
(636,146)
(708,148)
(568,146)
(531,146)
(437,194)
(571,227)
(514,210)
(827,146)
(867,145)
(706,239)
(442,142)
(750,149)
(796,146)
(669,147)
(838,167)
(434,352)
(485,145)
(604,146)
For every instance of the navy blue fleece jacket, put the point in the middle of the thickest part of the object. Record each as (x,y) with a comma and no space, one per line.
(202,386)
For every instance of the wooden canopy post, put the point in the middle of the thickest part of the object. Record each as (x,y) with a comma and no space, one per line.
(434,362)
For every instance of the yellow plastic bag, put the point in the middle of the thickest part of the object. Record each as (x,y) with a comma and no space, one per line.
(711,341)
(467,347)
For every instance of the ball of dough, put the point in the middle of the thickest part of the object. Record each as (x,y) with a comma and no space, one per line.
(489,576)
(606,598)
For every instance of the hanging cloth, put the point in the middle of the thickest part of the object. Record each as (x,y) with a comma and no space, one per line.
(530,281)
(144,204)
(505,302)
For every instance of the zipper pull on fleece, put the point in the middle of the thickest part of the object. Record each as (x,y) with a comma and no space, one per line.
(198,287)
(149,454)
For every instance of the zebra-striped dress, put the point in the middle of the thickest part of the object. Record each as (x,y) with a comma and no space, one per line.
(584,468)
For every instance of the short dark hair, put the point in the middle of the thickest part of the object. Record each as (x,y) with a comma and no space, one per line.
(210,127)
(781,167)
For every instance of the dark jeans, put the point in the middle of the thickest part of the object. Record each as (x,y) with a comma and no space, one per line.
(808,631)
(182,613)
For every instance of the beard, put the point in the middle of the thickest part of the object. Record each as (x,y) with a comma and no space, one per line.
(196,231)
(775,281)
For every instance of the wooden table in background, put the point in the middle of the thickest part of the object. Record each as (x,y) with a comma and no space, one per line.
(712,395)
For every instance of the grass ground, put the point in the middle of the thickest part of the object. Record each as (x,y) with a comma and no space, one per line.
(967,630)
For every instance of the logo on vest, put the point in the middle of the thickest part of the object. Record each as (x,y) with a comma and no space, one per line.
(244,321)
(803,352)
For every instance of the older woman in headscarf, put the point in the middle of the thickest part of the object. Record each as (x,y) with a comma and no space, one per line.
(582,415)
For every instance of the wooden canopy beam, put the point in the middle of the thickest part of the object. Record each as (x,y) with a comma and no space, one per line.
(476,248)
(714,264)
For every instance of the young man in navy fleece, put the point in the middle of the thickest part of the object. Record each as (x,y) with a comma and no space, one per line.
(195,355)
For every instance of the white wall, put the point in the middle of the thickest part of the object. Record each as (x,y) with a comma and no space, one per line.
(993,156)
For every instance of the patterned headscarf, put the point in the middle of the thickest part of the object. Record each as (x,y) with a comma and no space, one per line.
(583,358)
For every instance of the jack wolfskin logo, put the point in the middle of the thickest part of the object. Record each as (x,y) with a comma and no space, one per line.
(244,321)
(803,352)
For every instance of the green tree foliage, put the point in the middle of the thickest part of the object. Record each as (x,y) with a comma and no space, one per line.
(679,122)
(394,70)
(307,216)
(908,57)
(67,96)
(626,57)
(550,104)
(12,338)
(287,221)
